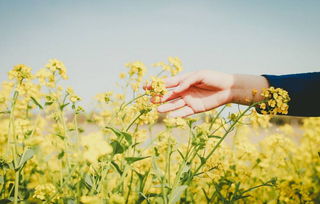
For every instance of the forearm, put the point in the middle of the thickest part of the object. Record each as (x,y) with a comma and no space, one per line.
(246,89)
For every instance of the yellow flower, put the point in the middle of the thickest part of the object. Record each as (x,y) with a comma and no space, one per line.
(45,191)
(122,75)
(20,72)
(174,66)
(55,65)
(175,122)
(254,92)
(91,200)
(104,97)
(136,70)
(157,87)
(72,96)
(277,101)
(116,199)
(263,106)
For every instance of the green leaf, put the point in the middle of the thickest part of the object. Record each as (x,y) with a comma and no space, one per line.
(202,159)
(206,195)
(88,181)
(117,147)
(63,106)
(186,173)
(186,168)
(60,155)
(36,102)
(128,137)
(241,197)
(121,134)
(176,193)
(5,201)
(131,160)
(135,144)
(180,153)
(61,136)
(48,103)
(142,181)
(3,164)
(115,131)
(116,166)
(156,168)
(237,189)
(28,154)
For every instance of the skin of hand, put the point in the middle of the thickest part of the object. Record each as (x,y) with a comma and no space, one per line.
(204,90)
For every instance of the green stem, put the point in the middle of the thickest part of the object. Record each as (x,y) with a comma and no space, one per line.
(12,136)
(134,99)
(258,186)
(66,140)
(134,121)
(220,141)
(130,185)
(77,131)
(16,186)
(159,74)
(216,117)
(164,194)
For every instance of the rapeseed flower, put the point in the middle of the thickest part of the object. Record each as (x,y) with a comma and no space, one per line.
(20,72)
(276,101)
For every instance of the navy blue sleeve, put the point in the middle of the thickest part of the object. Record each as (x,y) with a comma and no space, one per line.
(303,89)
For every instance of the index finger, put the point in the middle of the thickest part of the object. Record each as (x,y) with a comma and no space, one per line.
(170,82)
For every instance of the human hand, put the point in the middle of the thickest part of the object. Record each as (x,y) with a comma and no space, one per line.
(196,92)
(204,90)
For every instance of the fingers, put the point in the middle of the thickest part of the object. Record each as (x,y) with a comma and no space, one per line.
(172,105)
(167,97)
(188,82)
(195,103)
(170,82)
(182,112)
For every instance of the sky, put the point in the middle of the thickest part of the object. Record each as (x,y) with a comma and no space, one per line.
(96,38)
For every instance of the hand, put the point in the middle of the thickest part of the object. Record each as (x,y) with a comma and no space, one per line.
(204,90)
(196,92)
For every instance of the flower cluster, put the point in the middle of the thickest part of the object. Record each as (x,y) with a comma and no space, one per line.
(157,88)
(45,191)
(104,97)
(276,101)
(47,75)
(20,72)
(175,122)
(174,66)
(72,96)
(136,68)
(55,65)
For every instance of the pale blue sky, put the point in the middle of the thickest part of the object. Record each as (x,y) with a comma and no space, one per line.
(96,38)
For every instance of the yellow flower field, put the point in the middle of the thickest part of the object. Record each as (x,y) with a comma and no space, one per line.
(54,151)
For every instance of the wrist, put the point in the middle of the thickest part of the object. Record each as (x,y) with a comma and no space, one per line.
(246,89)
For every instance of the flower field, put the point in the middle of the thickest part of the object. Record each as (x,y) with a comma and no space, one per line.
(123,151)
